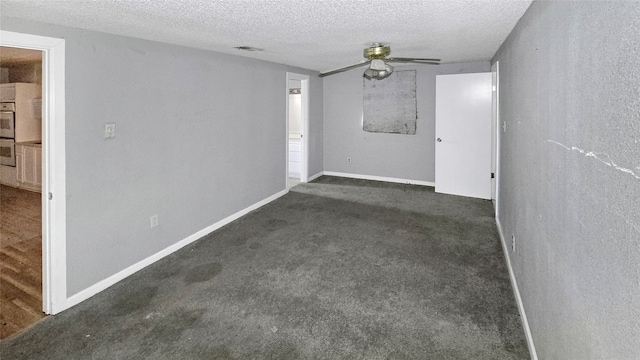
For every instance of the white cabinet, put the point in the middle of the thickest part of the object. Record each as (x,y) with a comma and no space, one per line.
(294,157)
(19,163)
(28,123)
(29,166)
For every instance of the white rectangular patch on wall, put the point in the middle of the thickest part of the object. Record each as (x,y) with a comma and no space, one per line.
(390,105)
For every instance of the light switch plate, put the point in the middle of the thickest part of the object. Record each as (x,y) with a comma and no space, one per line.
(109,130)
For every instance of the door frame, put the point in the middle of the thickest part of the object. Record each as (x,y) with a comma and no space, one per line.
(495,136)
(304,143)
(54,264)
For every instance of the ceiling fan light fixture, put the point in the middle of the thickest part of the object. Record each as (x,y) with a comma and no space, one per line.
(378,70)
(377,64)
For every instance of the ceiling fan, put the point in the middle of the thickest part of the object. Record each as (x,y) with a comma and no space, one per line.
(378,67)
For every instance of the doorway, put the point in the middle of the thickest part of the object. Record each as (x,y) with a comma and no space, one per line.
(297,125)
(52,167)
(20,189)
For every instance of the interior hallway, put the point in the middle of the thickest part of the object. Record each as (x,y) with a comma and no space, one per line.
(20,259)
(336,268)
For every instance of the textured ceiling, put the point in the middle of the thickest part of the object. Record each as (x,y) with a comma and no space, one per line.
(319,35)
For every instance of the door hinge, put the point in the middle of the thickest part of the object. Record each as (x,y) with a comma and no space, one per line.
(493,175)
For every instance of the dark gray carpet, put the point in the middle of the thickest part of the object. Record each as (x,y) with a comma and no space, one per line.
(335,269)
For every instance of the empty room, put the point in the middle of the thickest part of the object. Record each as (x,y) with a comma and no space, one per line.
(320,180)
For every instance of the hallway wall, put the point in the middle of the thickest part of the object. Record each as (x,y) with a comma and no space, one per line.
(409,157)
(570,175)
(199,136)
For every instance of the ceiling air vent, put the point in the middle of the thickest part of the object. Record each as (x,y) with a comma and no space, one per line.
(248,48)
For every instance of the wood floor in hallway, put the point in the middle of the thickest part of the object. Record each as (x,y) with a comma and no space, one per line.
(20,260)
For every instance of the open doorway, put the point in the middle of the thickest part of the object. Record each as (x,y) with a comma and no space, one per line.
(50,170)
(297,129)
(20,189)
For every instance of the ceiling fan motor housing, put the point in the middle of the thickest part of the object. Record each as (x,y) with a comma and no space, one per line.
(377,52)
(377,60)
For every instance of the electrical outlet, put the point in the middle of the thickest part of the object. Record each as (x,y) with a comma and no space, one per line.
(349,159)
(109,130)
(153,220)
(513,243)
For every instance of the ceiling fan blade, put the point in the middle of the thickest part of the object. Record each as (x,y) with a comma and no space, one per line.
(414,60)
(344,69)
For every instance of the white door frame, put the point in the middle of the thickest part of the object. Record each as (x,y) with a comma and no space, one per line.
(304,145)
(495,70)
(54,262)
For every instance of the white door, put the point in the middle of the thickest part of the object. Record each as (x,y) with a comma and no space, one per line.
(463,134)
(495,136)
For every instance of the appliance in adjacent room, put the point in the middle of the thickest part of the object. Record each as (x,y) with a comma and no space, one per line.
(7,133)
(20,128)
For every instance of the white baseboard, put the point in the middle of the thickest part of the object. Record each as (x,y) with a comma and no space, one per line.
(313,177)
(380,178)
(516,291)
(111,280)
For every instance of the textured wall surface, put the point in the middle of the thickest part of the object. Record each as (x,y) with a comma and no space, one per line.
(377,154)
(316,128)
(570,175)
(199,136)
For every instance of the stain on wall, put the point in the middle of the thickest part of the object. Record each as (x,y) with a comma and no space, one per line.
(390,105)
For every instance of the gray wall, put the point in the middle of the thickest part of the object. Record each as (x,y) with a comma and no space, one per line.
(199,136)
(390,155)
(316,126)
(570,75)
